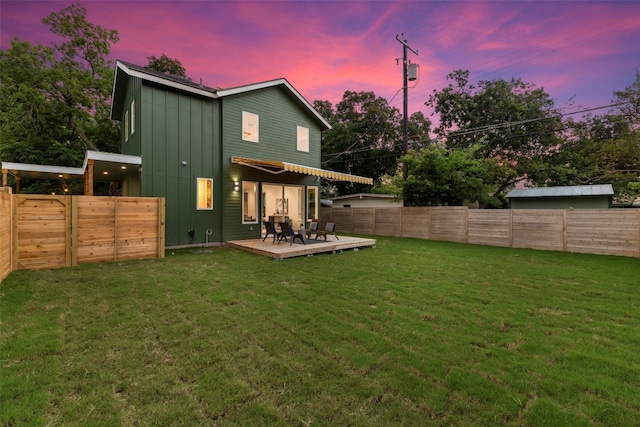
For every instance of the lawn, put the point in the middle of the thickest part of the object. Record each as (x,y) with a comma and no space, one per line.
(412,332)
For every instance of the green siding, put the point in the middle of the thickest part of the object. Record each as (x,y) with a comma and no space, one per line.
(178,128)
(173,127)
(279,115)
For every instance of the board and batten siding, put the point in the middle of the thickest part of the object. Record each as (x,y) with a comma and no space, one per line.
(279,115)
(178,145)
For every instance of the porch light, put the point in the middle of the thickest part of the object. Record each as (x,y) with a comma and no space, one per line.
(236,186)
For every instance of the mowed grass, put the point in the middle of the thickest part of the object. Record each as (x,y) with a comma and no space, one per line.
(412,332)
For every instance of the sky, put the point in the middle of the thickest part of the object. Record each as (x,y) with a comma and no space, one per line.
(579,52)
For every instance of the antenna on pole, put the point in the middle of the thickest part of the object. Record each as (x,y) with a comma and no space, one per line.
(405,88)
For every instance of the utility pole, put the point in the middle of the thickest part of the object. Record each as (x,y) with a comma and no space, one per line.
(405,88)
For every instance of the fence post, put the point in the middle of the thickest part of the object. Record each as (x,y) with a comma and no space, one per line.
(161,230)
(14,232)
(115,229)
(68,230)
(74,231)
(510,228)
(564,230)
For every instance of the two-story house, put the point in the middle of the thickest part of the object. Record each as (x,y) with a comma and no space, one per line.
(224,159)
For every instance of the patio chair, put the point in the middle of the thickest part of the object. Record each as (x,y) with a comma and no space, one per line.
(271,229)
(330,228)
(313,229)
(287,231)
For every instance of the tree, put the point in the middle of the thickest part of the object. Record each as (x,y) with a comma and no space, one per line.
(366,137)
(166,65)
(512,121)
(601,149)
(437,176)
(56,98)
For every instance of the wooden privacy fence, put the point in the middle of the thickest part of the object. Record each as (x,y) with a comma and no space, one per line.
(597,231)
(58,231)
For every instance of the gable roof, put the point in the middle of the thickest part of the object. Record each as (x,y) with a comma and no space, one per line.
(273,83)
(124,69)
(567,191)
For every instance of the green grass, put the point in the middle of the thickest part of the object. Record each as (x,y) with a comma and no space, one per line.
(410,333)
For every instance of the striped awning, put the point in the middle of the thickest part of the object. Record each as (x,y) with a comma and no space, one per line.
(276,167)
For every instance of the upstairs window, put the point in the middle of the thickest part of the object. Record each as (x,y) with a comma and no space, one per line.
(204,196)
(303,139)
(126,126)
(133,116)
(250,128)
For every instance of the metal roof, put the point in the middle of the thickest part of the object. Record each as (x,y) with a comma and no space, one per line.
(568,191)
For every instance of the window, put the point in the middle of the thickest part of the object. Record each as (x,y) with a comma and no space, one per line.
(204,194)
(133,116)
(126,126)
(312,203)
(249,127)
(303,139)
(249,202)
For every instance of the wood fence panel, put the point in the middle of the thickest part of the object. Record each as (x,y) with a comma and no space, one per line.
(43,231)
(604,231)
(342,217)
(5,233)
(489,227)
(363,220)
(449,223)
(95,229)
(137,228)
(415,222)
(388,222)
(538,229)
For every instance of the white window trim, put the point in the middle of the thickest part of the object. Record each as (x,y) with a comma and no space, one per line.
(302,137)
(198,180)
(255,213)
(247,118)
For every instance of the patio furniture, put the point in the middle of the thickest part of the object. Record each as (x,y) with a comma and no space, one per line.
(330,228)
(287,231)
(270,229)
(313,229)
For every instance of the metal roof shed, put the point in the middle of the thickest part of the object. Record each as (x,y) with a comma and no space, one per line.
(565,197)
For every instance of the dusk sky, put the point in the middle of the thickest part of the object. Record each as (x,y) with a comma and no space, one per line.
(581,49)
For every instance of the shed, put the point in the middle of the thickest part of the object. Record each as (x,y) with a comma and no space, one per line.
(565,197)
(367,200)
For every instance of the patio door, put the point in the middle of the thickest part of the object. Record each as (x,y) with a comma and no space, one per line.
(283,203)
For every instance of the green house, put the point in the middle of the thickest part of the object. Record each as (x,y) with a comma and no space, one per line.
(225,159)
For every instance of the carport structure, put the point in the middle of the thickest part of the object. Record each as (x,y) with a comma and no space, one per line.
(97,167)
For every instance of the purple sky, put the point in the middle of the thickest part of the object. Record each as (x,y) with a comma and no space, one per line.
(586,49)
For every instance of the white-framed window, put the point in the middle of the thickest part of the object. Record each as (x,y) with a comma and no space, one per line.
(312,203)
(250,128)
(249,202)
(204,193)
(303,139)
(126,126)
(133,116)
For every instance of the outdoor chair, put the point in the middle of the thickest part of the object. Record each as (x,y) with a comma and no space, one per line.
(330,228)
(313,229)
(270,229)
(287,231)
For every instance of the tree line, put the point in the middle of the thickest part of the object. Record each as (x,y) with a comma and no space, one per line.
(489,135)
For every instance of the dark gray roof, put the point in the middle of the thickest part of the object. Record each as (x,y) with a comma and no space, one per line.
(572,191)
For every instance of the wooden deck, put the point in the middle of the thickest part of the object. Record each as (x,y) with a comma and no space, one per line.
(285,250)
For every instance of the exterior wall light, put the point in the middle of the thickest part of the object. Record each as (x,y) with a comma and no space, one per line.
(236,186)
